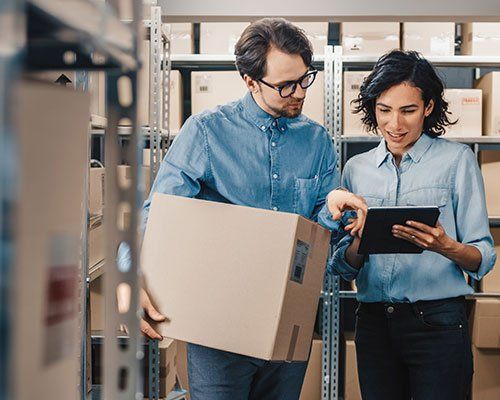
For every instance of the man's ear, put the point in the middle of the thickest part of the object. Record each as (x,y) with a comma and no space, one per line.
(252,84)
(429,108)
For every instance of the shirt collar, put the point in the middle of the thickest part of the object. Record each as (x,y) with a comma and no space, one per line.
(415,153)
(259,117)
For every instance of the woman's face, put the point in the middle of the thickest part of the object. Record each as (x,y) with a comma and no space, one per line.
(400,113)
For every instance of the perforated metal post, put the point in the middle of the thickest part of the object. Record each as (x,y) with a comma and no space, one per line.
(154,370)
(155,89)
(122,372)
(166,67)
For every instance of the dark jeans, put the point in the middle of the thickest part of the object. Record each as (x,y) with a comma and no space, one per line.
(219,375)
(419,351)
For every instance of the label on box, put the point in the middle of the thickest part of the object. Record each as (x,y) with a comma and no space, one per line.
(203,84)
(299,261)
(470,101)
(61,298)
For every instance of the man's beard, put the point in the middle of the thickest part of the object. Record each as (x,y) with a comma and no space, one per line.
(285,111)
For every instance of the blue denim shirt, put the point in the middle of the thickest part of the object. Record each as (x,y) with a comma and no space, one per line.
(239,154)
(433,172)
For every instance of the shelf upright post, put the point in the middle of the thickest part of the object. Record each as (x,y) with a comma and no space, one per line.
(122,373)
(166,68)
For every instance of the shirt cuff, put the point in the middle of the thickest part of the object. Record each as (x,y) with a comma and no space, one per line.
(338,264)
(326,220)
(488,258)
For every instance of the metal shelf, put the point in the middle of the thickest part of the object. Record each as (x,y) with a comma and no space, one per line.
(96,270)
(80,26)
(494,221)
(126,131)
(449,61)
(483,140)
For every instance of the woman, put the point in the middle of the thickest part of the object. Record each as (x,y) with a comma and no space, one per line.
(412,338)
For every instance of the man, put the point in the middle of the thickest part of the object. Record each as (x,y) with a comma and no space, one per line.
(259,151)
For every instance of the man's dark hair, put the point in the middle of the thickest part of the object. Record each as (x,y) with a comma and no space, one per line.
(256,40)
(395,68)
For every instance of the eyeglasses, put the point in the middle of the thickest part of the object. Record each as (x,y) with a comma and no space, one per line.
(288,88)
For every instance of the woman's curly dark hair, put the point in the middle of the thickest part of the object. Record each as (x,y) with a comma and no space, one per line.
(397,67)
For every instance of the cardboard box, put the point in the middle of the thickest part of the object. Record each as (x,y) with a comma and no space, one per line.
(210,89)
(490,169)
(352,389)
(481,38)
(181,38)
(466,105)
(317,33)
(369,38)
(490,85)
(96,252)
(181,362)
(220,37)
(352,125)
(125,178)
(311,388)
(491,282)
(175,94)
(314,104)
(45,292)
(97,178)
(486,349)
(250,268)
(97,89)
(429,38)
(168,368)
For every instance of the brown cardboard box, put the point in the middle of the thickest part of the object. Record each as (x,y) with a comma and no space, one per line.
(490,85)
(175,93)
(124,177)
(490,168)
(486,324)
(352,390)
(97,89)
(182,370)
(97,251)
(314,104)
(491,282)
(244,267)
(181,38)
(369,38)
(466,106)
(45,295)
(352,122)
(97,304)
(481,38)
(486,349)
(220,37)
(210,89)
(317,33)
(429,38)
(311,388)
(97,177)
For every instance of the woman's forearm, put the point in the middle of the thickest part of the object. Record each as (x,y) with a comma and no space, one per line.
(466,256)
(354,259)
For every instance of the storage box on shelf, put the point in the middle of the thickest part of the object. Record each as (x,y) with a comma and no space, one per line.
(490,85)
(481,38)
(369,38)
(429,38)
(465,106)
(311,388)
(220,37)
(490,168)
(96,249)
(485,321)
(317,33)
(352,125)
(235,247)
(97,177)
(491,282)
(181,38)
(351,380)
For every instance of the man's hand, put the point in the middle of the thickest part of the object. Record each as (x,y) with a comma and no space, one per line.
(340,201)
(152,313)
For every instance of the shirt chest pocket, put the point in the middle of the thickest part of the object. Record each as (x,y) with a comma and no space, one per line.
(437,197)
(305,195)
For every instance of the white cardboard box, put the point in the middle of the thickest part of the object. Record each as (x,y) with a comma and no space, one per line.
(369,38)
(466,106)
(314,103)
(317,33)
(181,38)
(352,125)
(429,38)
(490,85)
(481,39)
(220,37)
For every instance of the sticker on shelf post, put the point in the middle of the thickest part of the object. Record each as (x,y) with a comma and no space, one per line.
(61,298)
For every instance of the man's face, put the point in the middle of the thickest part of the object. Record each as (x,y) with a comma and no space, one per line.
(281,68)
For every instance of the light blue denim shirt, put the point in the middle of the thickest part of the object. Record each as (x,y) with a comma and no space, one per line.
(433,172)
(239,154)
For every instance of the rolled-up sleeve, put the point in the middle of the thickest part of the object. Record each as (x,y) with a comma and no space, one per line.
(471,216)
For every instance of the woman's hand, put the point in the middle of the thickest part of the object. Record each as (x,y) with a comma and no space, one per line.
(432,238)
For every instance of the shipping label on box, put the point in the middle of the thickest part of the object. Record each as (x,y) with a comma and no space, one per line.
(465,105)
(251,268)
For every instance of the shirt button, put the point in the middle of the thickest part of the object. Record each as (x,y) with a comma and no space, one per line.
(263,127)
(275,176)
(273,144)
(282,129)
(390,309)
(275,208)
(275,123)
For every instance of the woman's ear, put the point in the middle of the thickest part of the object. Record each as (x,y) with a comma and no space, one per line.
(429,108)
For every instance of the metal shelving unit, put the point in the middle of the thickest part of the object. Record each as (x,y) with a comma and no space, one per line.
(334,64)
